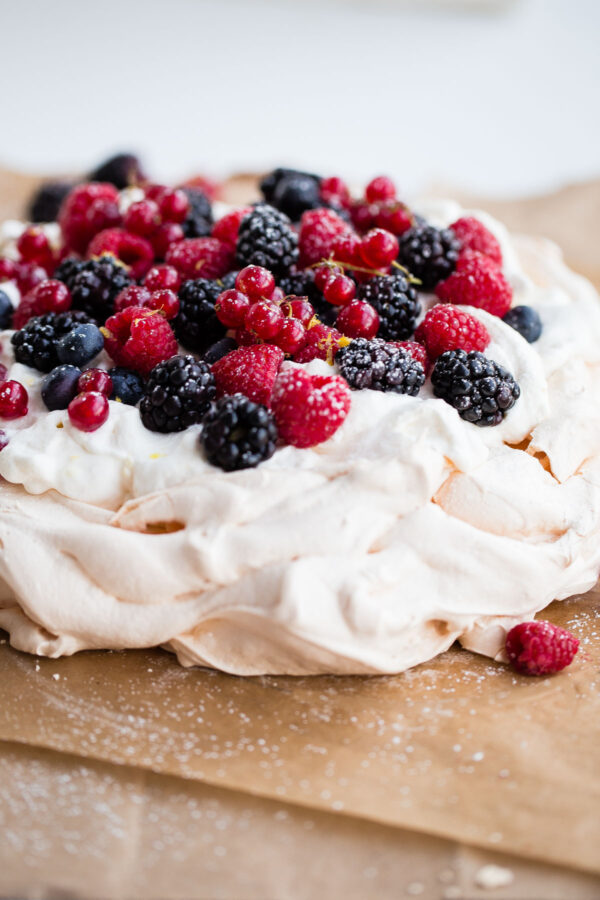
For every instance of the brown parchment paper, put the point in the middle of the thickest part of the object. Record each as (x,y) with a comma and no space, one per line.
(459,748)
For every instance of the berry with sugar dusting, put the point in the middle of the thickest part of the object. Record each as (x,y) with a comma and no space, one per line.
(162,277)
(430,254)
(477,282)
(358,319)
(80,345)
(378,248)
(318,230)
(417,351)
(339,290)
(540,648)
(142,218)
(139,339)
(394,216)
(36,343)
(132,250)
(526,321)
(178,394)
(264,319)
(473,235)
(86,210)
(266,238)
(291,337)
(309,409)
(380,366)
(298,308)
(322,342)
(396,301)
(14,400)
(205,257)
(255,281)
(88,411)
(231,308)
(250,371)
(447,327)
(165,302)
(238,433)
(335,192)
(479,389)
(227,228)
(95,380)
(132,295)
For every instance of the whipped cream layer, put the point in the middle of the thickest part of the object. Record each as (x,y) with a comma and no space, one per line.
(371,552)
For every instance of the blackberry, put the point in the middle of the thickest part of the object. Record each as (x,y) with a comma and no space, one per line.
(397,303)
(429,253)
(122,170)
(380,367)
(199,221)
(128,387)
(196,325)
(302,284)
(271,182)
(37,342)
(266,238)
(46,202)
(238,433)
(178,393)
(219,349)
(526,321)
(96,284)
(68,269)
(479,389)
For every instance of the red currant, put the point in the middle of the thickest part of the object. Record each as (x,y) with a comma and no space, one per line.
(162,277)
(363,215)
(34,246)
(245,338)
(277,296)
(291,336)
(394,217)
(379,248)
(28,275)
(174,206)
(324,274)
(133,295)
(231,308)
(14,400)
(164,236)
(49,296)
(255,281)
(102,214)
(340,290)
(95,380)
(358,319)
(380,188)
(88,411)
(298,308)
(142,218)
(164,301)
(346,248)
(156,192)
(8,269)
(264,320)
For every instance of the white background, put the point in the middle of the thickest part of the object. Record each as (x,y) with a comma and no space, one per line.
(502,101)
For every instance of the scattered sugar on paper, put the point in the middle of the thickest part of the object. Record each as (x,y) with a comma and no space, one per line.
(492,876)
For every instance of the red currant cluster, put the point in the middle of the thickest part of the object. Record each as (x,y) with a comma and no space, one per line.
(380,208)
(37,260)
(157,292)
(89,409)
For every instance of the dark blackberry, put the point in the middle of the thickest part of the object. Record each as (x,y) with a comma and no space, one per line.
(380,367)
(271,182)
(178,394)
(96,284)
(199,221)
(68,269)
(238,433)
(47,200)
(36,343)
(122,170)
(128,387)
(479,389)
(266,238)
(429,253)
(526,321)
(397,302)
(302,284)
(196,325)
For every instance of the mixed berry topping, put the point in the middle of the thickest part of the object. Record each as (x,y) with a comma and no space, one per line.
(479,389)
(36,344)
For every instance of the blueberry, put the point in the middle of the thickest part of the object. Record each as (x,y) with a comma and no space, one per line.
(526,321)
(128,387)
(295,194)
(80,345)
(60,386)
(6,310)
(219,350)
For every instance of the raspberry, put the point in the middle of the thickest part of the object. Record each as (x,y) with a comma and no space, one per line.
(322,342)
(86,210)
(178,394)
(446,327)
(227,228)
(205,257)
(266,238)
(47,296)
(250,371)
(131,249)
(318,229)
(238,433)
(380,366)
(540,648)
(417,351)
(477,282)
(479,389)
(309,409)
(473,235)
(139,339)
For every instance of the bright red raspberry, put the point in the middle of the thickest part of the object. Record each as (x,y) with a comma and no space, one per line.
(34,246)
(318,229)
(255,281)
(88,411)
(475,236)
(135,251)
(540,648)
(142,218)
(95,380)
(133,295)
(380,188)
(417,351)
(394,216)
(139,339)
(86,210)
(264,319)
(231,307)
(358,319)
(8,269)
(309,409)
(339,290)
(205,257)
(250,371)
(322,342)
(477,281)
(446,327)
(226,229)
(48,296)
(14,400)
(298,308)
(162,278)
(165,302)
(291,337)
(379,248)
(165,235)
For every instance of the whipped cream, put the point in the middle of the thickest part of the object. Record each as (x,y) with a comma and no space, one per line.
(371,552)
